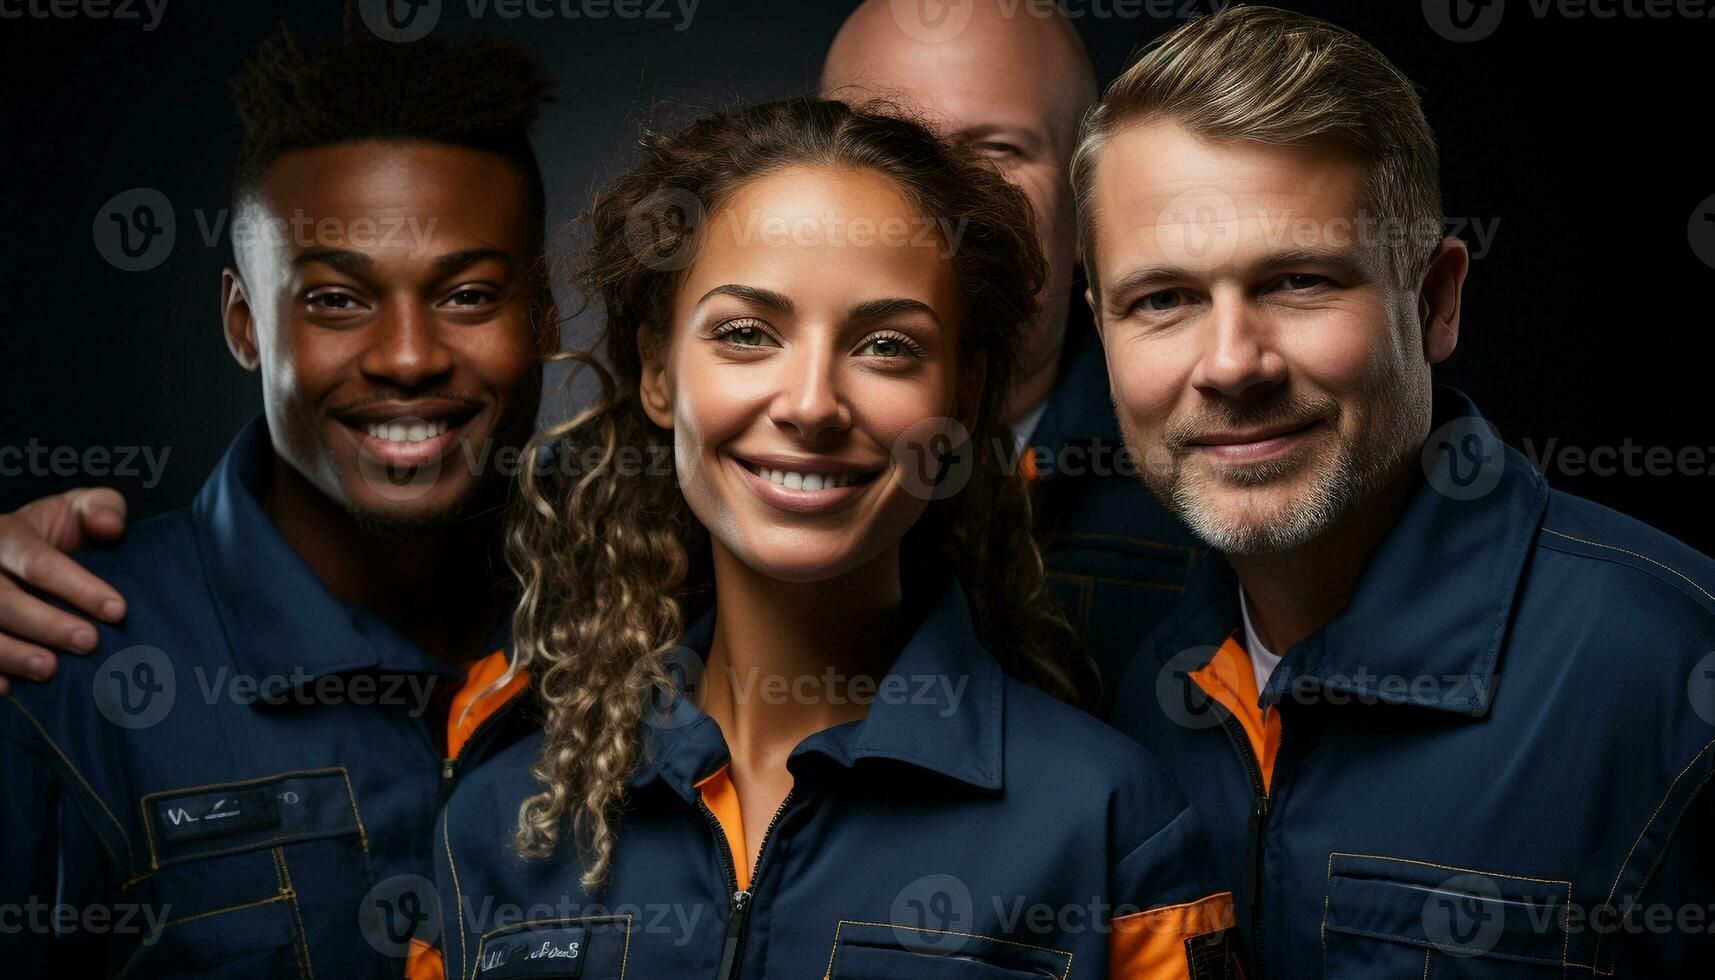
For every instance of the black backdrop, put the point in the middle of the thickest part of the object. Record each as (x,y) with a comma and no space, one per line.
(1571,158)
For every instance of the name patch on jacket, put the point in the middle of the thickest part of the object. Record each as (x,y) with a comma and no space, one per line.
(537,953)
(249,813)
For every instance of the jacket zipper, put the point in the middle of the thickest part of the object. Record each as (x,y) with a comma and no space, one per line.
(738,907)
(450,767)
(1254,855)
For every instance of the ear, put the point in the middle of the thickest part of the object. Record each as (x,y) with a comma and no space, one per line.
(655,391)
(1095,310)
(970,393)
(238,320)
(1440,298)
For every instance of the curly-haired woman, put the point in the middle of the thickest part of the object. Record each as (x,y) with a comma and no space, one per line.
(799,694)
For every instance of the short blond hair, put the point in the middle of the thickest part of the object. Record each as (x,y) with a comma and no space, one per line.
(1273,76)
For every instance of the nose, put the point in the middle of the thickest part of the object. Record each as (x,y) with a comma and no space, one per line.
(405,348)
(810,400)
(1239,352)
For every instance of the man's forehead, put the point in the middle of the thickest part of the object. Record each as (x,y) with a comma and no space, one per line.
(1165,195)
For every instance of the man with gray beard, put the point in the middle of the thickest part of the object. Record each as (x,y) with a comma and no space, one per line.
(1261,224)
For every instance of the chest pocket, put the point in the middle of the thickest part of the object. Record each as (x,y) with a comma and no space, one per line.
(1394,917)
(592,947)
(878,951)
(253,878)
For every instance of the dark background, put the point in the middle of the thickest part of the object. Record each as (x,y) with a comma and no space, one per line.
(1575,139)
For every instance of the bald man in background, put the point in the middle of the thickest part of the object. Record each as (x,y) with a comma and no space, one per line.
(1014,81)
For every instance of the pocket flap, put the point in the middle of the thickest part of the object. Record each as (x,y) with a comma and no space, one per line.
(861,946)
(242,815)
(1458,911)
(588,948)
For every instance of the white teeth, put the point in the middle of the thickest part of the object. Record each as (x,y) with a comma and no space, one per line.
(806,481)
(402,432)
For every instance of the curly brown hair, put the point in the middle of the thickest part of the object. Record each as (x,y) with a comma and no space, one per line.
(608,558)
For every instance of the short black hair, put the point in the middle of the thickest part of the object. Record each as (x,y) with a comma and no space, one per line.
(484,93)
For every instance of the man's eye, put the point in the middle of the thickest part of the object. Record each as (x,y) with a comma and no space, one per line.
(472,297)
(997,150)
(1303,280)
(333,301)
(1160,302)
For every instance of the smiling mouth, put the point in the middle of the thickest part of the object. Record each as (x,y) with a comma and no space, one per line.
(798,480)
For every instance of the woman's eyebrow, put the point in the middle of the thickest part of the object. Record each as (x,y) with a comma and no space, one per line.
(876,309)
(751,294)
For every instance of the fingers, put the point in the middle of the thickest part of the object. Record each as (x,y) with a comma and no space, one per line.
(28,557)
(28,621)
(101,512)
(26,660)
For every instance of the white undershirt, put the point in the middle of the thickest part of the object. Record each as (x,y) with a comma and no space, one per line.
(1262,661)
(1026,426)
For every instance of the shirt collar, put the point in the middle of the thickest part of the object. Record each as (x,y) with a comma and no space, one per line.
(1427,618)
(280,620)
(939,708)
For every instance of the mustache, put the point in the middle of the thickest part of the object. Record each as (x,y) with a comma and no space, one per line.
(1277,408)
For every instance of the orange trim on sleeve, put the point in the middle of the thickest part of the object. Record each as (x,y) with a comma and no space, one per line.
(1150,945)
(460,723)
(1228,678)
(722,800)
(423,962)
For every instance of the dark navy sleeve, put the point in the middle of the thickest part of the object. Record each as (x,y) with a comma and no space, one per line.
(54,885)
(1173,919)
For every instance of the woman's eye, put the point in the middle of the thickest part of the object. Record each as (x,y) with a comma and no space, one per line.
(744,333)
(889,346)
